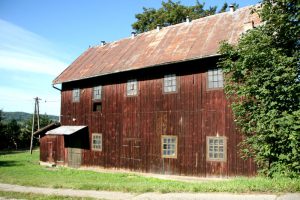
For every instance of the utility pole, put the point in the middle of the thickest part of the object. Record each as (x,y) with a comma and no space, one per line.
(36,114)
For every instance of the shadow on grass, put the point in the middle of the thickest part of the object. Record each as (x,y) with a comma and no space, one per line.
(9,163)
(7,152)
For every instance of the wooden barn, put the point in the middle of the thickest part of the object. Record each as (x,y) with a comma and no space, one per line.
(152,102)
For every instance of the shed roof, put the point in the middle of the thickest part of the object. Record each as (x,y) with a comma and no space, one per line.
(182,42)
(43,130)
(65,130)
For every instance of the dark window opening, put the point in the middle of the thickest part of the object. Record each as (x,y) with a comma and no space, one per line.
(97,107)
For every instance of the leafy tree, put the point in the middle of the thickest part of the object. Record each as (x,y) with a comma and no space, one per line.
(171,13)
(262,75)
(2,132)
(12,133)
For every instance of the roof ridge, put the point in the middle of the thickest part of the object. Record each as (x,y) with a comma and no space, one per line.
(173,25)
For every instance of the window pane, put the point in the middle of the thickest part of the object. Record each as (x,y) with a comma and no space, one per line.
(170,83)
(97,141)
(169,146)
(216,142)
(131,87)
(215,78)
(76,95)
(97,92)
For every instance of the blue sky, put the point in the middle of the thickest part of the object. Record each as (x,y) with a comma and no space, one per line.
(40,38)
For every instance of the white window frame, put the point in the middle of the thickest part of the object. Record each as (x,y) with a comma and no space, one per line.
(76,95)
(132,87)
(95,137)
(216,148)
(97,92)
(215,78)
(169,145)
(170,83)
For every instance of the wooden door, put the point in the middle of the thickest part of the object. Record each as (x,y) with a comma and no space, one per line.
(74,157)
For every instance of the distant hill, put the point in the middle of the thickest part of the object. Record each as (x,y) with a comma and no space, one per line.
(23,116)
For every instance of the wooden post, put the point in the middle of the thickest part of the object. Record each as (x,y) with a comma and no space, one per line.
(35,113)
(38,112)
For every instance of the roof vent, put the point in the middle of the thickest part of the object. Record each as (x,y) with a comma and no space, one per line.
(158,27)
(231,8)
(133,34)
(103,43)
(187,19)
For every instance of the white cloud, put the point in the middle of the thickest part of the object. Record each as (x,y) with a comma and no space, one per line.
(23,50)
(15,99)
(28,64)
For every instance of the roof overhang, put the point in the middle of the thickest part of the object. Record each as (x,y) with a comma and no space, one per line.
(49,127)
(133,68)
(65,130)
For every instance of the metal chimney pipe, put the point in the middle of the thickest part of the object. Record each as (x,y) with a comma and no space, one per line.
(187,19)
(103,43)
(132,34)
(231,8)
(158,27)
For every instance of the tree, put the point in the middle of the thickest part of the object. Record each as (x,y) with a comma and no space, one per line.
(171,13)
(12,133)
(262,76)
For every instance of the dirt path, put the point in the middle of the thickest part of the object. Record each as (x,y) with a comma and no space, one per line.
(146,196)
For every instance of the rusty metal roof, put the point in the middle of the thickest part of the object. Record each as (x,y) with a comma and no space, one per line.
(65,130)
(43,130)
(185,41)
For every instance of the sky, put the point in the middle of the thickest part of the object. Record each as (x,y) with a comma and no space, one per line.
(40,38)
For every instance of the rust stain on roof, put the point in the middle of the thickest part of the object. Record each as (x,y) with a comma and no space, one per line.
(181,42)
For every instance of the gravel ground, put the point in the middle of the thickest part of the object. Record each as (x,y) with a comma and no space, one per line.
(146,196)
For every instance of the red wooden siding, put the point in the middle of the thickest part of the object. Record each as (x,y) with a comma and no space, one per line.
(52,149)
(131,127)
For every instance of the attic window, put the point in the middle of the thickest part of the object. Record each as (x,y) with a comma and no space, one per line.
(97,92)
(76,95)
(170,83)
(215,78)
(132,87)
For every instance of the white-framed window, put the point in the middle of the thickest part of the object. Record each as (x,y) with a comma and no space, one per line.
(215,78)
(170,83)
(216,148)
(76,95)
(97,141)
(97,92)
(132,87)
(169,146)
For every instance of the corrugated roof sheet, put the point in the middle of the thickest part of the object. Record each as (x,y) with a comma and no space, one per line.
(186,41)
(65,130)
(47,128)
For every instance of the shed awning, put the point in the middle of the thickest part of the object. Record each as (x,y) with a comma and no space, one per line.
(49,127)
(65,130)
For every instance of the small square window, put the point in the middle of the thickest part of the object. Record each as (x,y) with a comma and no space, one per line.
(215,78)
(76,95)
(97,141)
(170,83)
(169,146)
(132,87)
(216,149)
(97,92)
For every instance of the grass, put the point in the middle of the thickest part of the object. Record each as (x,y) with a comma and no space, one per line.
(18,195)
(23,169)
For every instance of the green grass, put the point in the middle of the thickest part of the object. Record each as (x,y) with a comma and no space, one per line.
(23,169)
(18,195)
